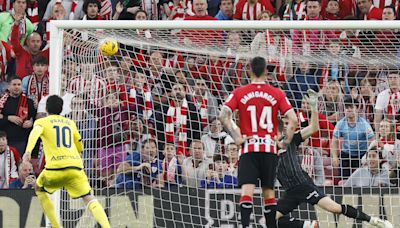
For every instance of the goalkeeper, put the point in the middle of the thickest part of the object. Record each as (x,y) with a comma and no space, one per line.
(62,145)
(299,187)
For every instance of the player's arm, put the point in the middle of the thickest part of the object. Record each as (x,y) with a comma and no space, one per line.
(291,127)
(314,125)
(33,137)
(225,116)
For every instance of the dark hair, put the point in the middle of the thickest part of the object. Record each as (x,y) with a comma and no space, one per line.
(54,104)
(149,140)
(350,102)
(220,157)
(313,1)
(86,5)
(14,77)
(258,66)
(3,134)
(40,60)
(391,7)
(140,11)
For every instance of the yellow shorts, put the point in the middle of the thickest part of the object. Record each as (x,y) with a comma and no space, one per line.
(73,180)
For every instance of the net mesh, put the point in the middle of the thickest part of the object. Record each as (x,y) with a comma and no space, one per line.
(148,164)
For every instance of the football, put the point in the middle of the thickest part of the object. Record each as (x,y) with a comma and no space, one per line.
(109,47)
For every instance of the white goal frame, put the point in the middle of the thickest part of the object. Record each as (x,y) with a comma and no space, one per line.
(57,27)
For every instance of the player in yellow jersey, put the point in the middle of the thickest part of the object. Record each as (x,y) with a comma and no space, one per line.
(62,146)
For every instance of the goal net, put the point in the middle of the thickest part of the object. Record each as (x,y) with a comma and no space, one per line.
(156,154)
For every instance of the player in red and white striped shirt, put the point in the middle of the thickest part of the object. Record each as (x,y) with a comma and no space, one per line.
(259,105)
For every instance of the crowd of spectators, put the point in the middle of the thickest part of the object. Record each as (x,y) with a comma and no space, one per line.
(148,116)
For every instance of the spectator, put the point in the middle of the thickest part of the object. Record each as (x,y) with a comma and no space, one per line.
(215,140)
(9,160)
(113,135)
(200,11)
(115,83)
(366,99)
(250,9)
(311,41)
(17,113)
(225,10)
(36,86)
(388,144)
(387,102)
(368,10)
(8,19)
(73,9)
(388,13)
(331,102)
(206,103)
(138,133)
(332,11)
(372,175)
(7,56)
(336,69)
(233,44)
(237,74)
(232,151)
(140,168)
(91,8)
(179,120)
(173,170)
(303,79)
(23,55)
(57,13)
(140,99)
(217,176)
(293,10)
(196,165)
(356,134)
(87,83)
(26,177)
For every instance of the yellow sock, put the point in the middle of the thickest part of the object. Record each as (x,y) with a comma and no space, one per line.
(48,208)
(98,213)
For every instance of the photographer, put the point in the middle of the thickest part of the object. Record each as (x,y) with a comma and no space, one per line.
(26,179)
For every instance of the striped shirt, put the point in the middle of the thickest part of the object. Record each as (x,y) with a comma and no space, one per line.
(289,171)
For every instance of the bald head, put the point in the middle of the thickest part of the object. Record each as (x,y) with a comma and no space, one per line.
(34,43)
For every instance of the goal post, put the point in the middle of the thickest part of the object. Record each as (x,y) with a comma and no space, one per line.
(124,107)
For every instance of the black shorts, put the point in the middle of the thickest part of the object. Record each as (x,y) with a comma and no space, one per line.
(257,165)
(292,198)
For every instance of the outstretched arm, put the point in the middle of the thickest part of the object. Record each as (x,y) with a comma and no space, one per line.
(314,126)
(225,116)
(33,137)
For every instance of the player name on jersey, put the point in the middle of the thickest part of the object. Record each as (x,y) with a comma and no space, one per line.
(258,94)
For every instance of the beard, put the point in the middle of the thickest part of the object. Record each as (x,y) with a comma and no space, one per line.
(179,96)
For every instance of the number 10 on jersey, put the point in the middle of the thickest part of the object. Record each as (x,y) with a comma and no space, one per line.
(265,121)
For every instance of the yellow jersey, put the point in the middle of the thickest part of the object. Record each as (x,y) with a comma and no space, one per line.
(62,143)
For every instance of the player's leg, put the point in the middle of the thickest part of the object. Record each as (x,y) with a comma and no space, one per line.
(248,174)
(97,210)
(286,204)
(268,163)
(78,187)
(330,205)
(44,199)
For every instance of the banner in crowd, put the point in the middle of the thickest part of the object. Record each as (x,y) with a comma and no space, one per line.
(184,207)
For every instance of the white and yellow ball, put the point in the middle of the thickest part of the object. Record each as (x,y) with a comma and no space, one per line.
(109,47)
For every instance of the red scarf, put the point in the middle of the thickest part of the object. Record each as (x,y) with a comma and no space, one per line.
(73,8)
(393,107)
(105,11)
(33,13)
(34,90)
(203,109)
(181,120)
(170,170)
(257,9)
(22,110)
(148,107)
